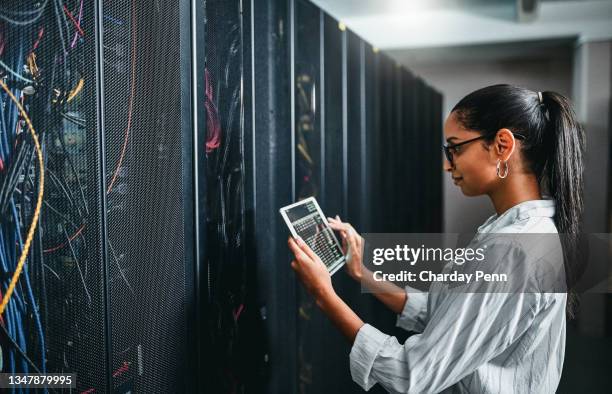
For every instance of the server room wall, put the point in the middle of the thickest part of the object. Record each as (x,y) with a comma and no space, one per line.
(171,134)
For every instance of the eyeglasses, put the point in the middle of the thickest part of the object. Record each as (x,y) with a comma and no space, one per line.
(450,149)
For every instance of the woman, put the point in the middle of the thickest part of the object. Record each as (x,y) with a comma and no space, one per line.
(514,145)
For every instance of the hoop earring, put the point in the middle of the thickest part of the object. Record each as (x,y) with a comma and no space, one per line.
(498,169)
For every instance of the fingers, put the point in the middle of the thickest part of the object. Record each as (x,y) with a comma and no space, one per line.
(345,229)
(339,226)
(306,249)
(296,249)
(301,251)
(351,240)
(334,224)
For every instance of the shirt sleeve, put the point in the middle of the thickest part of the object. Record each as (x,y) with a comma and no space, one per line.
(414,315)
(465,331)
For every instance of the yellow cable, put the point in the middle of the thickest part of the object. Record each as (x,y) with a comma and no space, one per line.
(32,65)
(76,90)
(41,184)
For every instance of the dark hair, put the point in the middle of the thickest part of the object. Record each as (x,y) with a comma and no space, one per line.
(553,149)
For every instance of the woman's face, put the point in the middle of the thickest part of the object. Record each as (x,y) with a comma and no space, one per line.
(474,165)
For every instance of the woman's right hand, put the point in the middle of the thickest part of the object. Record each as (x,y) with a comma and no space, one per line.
(352,244)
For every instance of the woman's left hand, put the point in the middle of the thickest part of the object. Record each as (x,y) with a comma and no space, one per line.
(310,269)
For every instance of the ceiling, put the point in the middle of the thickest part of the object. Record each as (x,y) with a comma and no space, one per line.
(412,24)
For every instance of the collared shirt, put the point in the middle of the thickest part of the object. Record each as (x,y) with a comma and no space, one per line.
(472,342)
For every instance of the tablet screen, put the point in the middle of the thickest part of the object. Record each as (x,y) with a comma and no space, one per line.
(306,220)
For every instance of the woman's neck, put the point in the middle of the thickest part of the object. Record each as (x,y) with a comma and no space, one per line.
(514,190)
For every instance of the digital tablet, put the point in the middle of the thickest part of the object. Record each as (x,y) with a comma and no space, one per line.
(306,220)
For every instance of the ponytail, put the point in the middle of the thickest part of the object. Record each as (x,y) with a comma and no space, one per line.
(565,141)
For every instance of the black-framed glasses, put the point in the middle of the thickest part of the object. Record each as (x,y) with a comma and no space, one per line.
(449,149)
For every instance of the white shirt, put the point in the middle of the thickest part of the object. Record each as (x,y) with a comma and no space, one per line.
(472,342)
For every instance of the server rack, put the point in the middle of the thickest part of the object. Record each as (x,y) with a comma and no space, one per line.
(104,84)
(273,132)
(149,282)
(356,129)
(411,149)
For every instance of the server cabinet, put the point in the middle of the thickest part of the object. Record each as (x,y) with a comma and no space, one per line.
(386,149)
(274,87)
(399,183)
(112,270)
(309,177)
(309,140)
(227,282)
(333,113)
(356,130)
(420,165)
(63,328)
(411,149)
(149,244)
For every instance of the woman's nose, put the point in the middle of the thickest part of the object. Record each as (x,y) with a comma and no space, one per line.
(446,165)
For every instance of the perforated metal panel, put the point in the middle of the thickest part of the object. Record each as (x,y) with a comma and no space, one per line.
(275,303)
(411,149)
(62,320)
(357,162)
(309,143)
(226,255)
(333,112)
(112,264)
(146,246)
(386,149)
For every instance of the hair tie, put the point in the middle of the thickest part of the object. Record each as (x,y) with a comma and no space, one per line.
(540,97)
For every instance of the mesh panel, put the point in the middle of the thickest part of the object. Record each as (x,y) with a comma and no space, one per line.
(411,147)
(225,207)
(355,134)
(64,267)
(332,67)
(308,166)
(144,191)
(307,100)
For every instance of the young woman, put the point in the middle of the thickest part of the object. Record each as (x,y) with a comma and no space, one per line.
(514,145)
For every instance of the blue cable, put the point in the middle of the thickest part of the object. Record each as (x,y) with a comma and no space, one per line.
(4,131)
(31,296)
(9,325)
(21,339)
(19,335)
(5,266)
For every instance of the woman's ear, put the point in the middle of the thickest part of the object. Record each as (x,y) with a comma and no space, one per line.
(503,145)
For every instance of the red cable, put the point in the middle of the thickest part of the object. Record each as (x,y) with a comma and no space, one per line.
(40,35)
(213,125)
(131,102)
(71,238)
(123,368)
(1,318)
(2,41)
(74,21)
(238,312)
